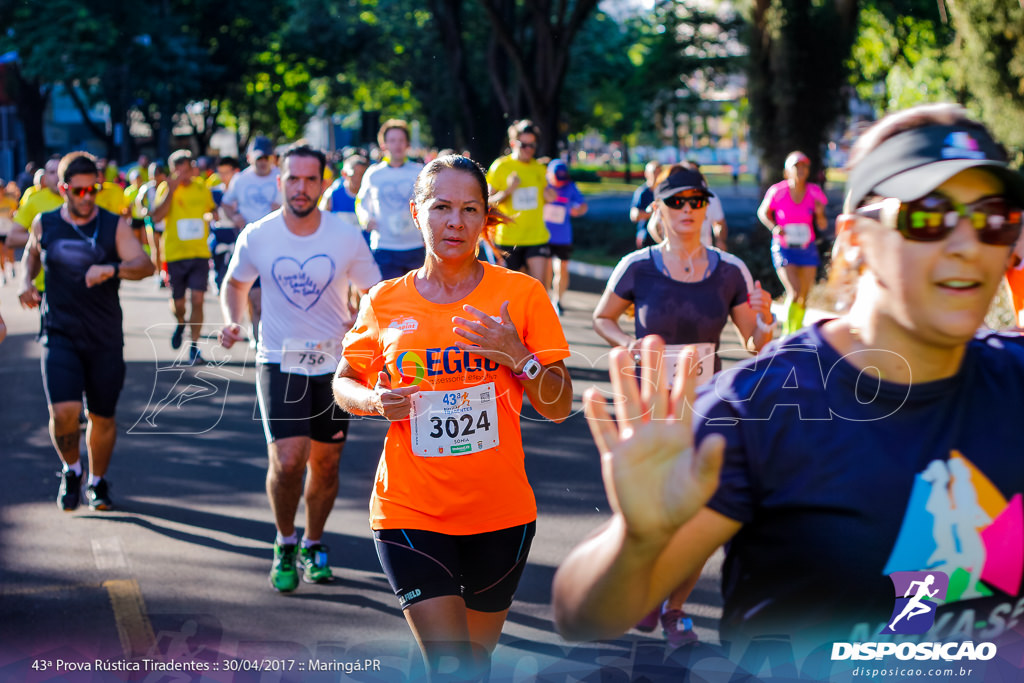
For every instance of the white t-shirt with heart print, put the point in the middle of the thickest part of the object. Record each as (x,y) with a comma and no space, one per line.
(305,282)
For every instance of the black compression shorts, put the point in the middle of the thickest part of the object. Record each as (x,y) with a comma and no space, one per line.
(484,569)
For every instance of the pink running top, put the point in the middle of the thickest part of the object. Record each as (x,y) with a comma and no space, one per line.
(789,213)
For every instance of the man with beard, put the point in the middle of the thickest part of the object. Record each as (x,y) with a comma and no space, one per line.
(87,251)
(307,258)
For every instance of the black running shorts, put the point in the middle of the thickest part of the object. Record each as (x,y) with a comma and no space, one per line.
(293,404)
(69,372)
(484,569)
(516,257)
(190,273)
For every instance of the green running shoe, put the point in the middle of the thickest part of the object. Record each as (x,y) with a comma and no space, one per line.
(284,578)
(315,566)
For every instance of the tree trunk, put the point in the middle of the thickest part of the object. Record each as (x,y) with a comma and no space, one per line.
(31,98)
(94,128)
(540,67)
(625,158)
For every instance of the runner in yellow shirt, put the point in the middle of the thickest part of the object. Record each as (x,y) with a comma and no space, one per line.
(519,188)
(185,204)
(43,199)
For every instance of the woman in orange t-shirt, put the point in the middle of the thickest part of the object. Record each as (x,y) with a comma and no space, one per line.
(446,353)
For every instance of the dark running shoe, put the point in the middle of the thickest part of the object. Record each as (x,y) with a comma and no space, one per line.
(99,496)
(194,357)
(678,628)
(179,334)
(70,490)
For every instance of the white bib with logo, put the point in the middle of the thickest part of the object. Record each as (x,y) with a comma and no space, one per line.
(798,235)
(457,422)
(554,213)
(525,198)
(705,361)
(305,357)
(191,229)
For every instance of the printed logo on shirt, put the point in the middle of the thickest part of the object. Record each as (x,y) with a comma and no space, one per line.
(441,363)
(917,597)
(411,367)
(958,522)
(961,145)
(404,324)
(303,283)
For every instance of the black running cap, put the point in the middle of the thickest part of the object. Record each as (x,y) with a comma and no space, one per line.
(679,180)
(911,164)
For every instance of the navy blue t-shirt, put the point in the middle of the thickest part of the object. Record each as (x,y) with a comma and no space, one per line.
(643,197)
(840,479)
(681,312)
(88,317)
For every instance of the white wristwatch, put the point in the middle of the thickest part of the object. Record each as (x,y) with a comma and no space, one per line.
(530,370)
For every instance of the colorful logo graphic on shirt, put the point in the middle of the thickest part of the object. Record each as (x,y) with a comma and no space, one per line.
(917,597)
(411,367)
(958,522)
(961,145)
(303,283)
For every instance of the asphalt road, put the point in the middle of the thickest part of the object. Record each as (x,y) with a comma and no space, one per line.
(175,579)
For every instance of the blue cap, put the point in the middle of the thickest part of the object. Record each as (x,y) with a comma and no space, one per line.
(558,169)
(260,147)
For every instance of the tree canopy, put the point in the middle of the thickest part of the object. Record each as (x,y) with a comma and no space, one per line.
(466,68)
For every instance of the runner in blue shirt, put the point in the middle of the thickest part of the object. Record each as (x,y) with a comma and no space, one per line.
(880,442)
(558,214)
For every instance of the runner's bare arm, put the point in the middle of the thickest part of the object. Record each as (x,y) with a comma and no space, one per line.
(17,237)
(234,300)
(135,263)
(753,319)
(355,397)
(31,263)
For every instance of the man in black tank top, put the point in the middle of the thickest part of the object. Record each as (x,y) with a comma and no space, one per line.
(84,252)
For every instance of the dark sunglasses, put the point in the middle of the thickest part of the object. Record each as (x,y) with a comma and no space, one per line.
(531,145)
(82,192)
(933,217)
(677,201)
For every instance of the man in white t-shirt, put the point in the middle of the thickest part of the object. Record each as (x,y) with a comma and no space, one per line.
(253,194)
(383,204)
(307,258)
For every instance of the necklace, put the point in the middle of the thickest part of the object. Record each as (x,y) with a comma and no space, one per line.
(688,267)
(95,231)
(689,258)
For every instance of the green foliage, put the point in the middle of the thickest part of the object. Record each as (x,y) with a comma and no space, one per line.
(902,59)
(798,67)
(991,57)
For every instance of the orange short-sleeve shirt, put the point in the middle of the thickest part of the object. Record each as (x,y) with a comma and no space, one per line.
(413,340)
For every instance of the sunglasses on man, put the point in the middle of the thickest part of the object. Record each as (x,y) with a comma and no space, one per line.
(84,191)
